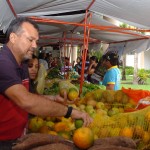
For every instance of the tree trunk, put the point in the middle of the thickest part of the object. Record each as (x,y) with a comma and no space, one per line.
(135,68)
(123,67)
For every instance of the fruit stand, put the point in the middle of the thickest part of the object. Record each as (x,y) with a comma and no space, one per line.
(115,119)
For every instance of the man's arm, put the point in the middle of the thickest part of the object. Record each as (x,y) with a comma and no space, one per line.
(33,103)
(40,105)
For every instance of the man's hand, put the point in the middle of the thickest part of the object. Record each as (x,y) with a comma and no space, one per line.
(60,99)
(76,114)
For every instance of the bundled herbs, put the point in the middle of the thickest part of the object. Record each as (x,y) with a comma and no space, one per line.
(54,73)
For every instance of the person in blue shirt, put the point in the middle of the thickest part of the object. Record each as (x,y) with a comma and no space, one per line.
(112,76)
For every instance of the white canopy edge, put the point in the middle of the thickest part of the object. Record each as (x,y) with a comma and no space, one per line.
(128,47)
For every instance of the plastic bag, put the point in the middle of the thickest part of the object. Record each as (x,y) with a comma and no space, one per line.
(136,94)
(42,73)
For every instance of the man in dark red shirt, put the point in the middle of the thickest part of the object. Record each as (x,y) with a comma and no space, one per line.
(15,99)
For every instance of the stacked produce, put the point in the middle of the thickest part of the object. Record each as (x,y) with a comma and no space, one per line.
(113,122)
(109,111)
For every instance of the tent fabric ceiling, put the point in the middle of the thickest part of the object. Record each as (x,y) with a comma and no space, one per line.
(131,11)
(6,15)
(48,7)
(134,12)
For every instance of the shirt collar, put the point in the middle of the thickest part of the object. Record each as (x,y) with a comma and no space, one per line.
(113,67)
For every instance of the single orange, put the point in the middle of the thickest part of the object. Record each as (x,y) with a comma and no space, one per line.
(83,137)
(73,95)
(52,132)
(147,116)
(146,137)
(127,132)
(61,126)
(44,129)
(65,134)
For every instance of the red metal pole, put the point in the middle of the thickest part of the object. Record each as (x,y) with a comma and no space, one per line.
(64,44)
(84,54)
(84,51)
(11,7)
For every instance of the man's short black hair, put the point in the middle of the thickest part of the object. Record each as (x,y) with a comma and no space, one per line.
(15,26)
(112,57)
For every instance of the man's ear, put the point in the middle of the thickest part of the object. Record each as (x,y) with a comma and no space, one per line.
(12,37)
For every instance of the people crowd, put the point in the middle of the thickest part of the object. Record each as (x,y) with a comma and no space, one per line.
(109,63)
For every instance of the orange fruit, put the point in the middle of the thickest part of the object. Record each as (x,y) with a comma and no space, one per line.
(52,132)
(146,137)
(138,131)
(127,132)
(44,129)
(65,134)
(35,124)
(83,137)
(73,94)
(61,126)
(147,116)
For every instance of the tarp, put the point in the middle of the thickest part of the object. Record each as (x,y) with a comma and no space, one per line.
(133,12)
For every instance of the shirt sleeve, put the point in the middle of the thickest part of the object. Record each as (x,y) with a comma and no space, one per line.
(9,76)
(111,78)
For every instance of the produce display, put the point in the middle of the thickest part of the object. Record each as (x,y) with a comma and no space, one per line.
(109,110)
(114,113)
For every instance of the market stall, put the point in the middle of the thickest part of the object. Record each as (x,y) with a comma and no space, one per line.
(116,114)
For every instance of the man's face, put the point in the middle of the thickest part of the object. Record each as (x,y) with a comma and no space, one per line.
(26,41)
(104,63)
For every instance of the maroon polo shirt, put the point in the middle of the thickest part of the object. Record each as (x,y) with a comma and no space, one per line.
(12,118)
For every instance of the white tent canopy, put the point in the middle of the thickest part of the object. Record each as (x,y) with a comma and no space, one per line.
(133,12)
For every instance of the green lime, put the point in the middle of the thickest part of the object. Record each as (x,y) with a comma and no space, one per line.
(78,123)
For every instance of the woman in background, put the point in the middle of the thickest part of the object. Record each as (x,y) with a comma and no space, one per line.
(33,67)
(91,68)
(77,63)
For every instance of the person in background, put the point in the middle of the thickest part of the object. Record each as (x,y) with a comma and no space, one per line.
(15,99)
(42,60)
(77,63)
(55,62)
(68,65)
(33,68)
(87,62)
(91,68)
(50,60)
(112,76)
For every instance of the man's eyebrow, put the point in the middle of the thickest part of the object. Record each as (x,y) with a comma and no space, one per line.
(33,38)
